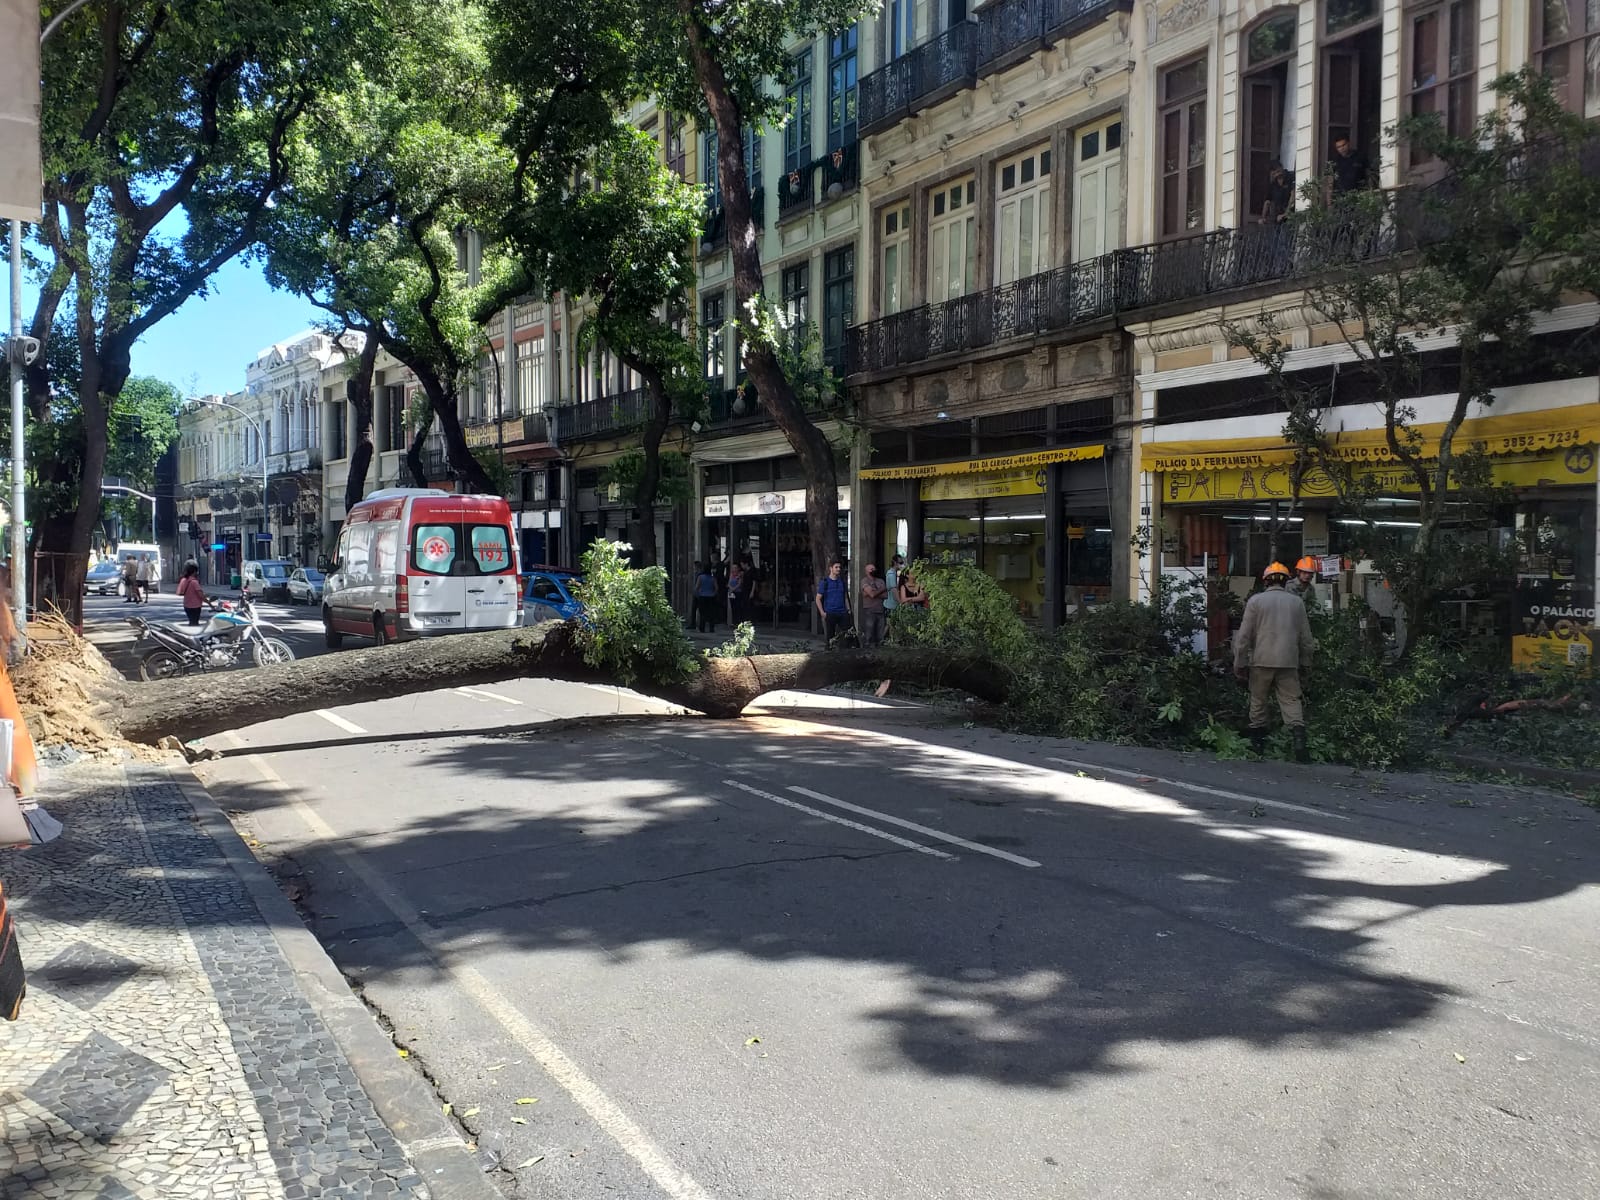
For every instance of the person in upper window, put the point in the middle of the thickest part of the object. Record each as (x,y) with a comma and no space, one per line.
(1349,167)
(1280,194)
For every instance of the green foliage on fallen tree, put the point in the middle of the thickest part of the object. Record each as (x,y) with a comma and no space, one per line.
(629,627)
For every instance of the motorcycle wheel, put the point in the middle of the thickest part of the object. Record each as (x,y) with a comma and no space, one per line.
(160,664)
(270,652)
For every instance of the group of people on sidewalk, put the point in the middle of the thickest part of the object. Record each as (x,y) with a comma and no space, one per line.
(1273,649)
(138,577)
(868,619)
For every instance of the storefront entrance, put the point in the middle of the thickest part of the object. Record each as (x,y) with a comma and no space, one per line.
(1037,524)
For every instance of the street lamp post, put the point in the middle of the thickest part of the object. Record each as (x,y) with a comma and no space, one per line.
(266,510)
(155,538)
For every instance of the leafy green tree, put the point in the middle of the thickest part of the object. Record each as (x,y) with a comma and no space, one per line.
(717,58)
(372,228)
(165,130)
(622,240)
(1506,233)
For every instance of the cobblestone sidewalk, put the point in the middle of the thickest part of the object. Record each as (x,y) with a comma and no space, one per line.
(166,1049)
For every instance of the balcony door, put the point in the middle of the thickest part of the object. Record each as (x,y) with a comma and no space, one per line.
(1097,190)
(952,240)
(1022,216)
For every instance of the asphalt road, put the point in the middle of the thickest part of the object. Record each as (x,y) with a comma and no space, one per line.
(785,959)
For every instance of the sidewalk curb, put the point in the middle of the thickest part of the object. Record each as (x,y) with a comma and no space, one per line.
(400,1096)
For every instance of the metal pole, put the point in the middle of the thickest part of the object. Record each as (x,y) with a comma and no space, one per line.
(19,527)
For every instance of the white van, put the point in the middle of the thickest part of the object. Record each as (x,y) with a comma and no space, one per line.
(140,550)
(414,562)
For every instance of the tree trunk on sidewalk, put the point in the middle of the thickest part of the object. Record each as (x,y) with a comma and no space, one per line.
(196,706)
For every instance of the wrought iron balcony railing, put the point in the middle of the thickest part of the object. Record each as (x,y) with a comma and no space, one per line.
(797,192)
(1008,32)
(933,71)
(1162,274)
(841,171)
(602,417)
(1002,34)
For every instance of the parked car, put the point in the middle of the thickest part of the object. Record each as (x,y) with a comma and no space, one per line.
(548,595)
(305,585)
(415,562)
(103,579)
(267,578)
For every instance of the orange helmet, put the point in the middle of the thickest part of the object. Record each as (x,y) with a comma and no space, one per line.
(1276,568)
(1307,563)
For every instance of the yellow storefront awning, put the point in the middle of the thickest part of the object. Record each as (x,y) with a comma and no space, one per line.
(1275,481)
(1507,433)
(984,466)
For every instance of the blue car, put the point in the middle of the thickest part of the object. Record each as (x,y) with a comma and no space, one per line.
(548,595)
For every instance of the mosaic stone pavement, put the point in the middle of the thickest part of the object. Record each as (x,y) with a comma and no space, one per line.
(165,1051)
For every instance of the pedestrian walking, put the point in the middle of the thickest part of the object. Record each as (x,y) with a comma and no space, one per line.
(1270,653)
(705,600)
(833,602)
(874,617)
(191,593)
(130,581)
(147,578)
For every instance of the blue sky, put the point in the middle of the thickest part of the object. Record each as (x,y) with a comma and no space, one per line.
(206,345)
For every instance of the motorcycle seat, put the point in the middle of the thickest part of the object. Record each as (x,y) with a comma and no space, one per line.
(181,635)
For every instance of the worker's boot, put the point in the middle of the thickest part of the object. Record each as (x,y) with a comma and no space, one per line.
(1302,752)
(1258,740)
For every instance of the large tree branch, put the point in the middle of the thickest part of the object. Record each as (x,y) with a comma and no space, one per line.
(210,132)
(198,706)
(189,282)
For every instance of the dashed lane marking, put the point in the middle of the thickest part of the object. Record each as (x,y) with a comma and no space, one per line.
(838,820)
(338,722)
(926,831)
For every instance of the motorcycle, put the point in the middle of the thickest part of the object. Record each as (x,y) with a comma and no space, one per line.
(216,647)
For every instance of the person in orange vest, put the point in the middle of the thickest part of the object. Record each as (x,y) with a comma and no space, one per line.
(1305,576)
(1270,652)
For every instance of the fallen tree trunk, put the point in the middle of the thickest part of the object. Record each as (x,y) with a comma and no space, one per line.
(195,706)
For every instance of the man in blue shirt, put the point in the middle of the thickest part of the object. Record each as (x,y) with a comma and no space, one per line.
(833,602)
(705,601)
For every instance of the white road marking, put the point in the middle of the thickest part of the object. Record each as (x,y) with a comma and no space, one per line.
(482,694)
(673,1181)
(334,719)
(619,694)
(976,847)
(1222,793)
(837,820)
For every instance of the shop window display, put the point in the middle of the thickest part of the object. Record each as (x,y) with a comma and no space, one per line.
(1007,547)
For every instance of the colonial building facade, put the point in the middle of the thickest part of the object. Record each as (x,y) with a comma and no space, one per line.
(1020,229)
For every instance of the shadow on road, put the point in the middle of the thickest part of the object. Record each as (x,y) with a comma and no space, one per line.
(1169,922)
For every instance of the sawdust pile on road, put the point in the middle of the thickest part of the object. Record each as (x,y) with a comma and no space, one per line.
(61,684)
